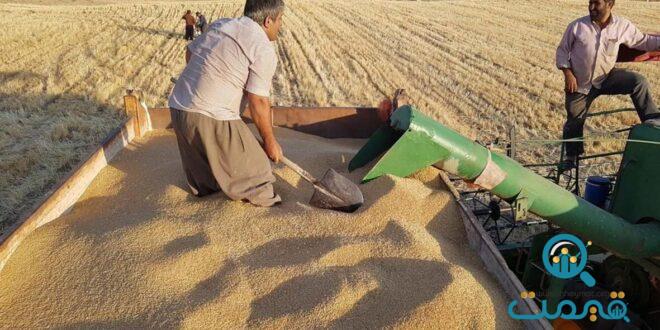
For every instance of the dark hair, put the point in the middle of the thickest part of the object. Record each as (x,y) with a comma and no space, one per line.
(259,10)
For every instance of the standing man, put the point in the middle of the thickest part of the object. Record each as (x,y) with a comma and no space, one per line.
(190,25)
(587,54)
(233,63)
(201,22)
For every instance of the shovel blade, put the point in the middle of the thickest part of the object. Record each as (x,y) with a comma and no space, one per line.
(336,192)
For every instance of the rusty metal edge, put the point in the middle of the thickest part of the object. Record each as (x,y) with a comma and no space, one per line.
(327,122)
(481,243)
(66,193)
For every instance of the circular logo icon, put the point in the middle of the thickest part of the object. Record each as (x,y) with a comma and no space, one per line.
(559,261)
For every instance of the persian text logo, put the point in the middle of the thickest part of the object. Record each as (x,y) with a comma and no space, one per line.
(559,262)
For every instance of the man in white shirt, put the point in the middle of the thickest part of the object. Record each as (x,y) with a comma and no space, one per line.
(587,54)
(232,64)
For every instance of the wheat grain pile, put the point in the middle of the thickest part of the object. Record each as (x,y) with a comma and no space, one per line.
(478,66)
(138,251)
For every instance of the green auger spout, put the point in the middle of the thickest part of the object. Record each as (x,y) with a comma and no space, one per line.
(413,141)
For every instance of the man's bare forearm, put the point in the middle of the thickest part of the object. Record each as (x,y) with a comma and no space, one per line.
(260,113)
(567,71)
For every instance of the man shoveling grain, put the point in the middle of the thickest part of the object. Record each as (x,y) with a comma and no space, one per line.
(231,64)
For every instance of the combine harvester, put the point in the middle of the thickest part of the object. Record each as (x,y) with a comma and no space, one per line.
(511,211)
(625,255)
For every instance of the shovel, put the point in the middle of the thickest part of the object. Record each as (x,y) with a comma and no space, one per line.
(334,191)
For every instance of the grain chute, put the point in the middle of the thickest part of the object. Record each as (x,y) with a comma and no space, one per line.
(625,235)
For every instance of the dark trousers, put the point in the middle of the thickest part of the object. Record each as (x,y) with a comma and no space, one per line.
(190,32)
(618,82)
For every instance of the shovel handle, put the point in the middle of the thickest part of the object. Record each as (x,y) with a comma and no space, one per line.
(306,175)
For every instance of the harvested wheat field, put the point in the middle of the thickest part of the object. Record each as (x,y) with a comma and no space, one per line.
(480,67)
(138,250)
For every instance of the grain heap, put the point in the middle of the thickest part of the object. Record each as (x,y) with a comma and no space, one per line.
(138,251)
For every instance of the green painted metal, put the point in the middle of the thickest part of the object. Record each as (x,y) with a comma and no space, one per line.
(554,293)
(417,147)
(637,193)
(378,143)
(534,271)
(424,142)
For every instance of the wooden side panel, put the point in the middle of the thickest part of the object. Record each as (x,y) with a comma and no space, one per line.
(65,195)
(134,108)
(328,122)
(160,118)
(493,260)
(144,119)
(131,107)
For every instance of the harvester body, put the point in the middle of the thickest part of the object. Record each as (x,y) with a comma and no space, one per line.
(413,141)
(636,196)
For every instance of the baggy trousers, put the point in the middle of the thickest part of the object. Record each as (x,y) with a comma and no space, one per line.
(223,155)
(618,82)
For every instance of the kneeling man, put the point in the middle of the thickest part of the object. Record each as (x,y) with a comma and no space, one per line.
(229,65)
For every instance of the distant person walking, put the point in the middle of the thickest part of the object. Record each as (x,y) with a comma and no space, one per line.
(201,23)
(190,25)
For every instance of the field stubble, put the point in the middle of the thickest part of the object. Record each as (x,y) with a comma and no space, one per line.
(479,67)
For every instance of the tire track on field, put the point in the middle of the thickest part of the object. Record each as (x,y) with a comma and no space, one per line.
(362,28)
(370,77)
(335,70)
(288,72)
(355,47)
(383,68)
(472,62)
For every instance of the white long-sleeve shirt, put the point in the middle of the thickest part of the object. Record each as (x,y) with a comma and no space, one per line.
(591,52)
